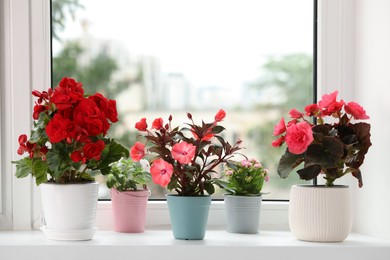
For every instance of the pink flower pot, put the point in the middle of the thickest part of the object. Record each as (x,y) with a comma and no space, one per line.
(129,209)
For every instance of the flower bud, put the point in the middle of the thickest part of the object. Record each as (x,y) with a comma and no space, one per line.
(189,116)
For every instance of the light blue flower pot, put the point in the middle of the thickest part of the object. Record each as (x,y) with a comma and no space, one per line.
(189,216)
(242,213)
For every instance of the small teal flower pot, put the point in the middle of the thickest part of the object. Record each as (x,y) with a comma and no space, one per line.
(189,216)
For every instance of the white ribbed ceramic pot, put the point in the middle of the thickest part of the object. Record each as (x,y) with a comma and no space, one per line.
(69,210)
(319,213)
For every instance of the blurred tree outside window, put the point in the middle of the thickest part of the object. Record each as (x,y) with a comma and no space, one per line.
(253,58)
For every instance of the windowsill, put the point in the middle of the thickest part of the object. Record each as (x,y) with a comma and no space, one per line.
(159,244)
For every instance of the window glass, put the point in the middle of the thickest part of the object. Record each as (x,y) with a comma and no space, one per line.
(253,58)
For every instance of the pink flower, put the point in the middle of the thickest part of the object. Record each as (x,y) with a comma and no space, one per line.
(328,99)
(278,142)
(161,172)
(335,107)
(295,113)
(280,128)
(141,125)
(137,151)
(183,152)
(246,163)
(356,110)
(312,109)
(220,115)
(299,137)
(157,123)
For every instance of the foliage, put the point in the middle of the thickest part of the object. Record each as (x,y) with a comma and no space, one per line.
(69,139)
(290,76)
(331,149)
(126,175)
(243,178)
(60,10)
(183,158)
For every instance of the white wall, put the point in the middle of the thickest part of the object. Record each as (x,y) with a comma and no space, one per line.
(372,78)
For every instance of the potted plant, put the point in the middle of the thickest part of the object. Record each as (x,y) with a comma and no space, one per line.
(183,160)
(243,183)
(329,150)
(129,195)
(69,141)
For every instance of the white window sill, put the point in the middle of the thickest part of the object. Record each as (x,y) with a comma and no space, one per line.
(159,244)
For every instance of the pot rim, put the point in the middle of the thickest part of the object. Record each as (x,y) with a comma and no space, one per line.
(321,186)
(67,184)
(179,196)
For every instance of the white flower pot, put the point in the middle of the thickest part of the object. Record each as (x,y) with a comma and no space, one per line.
(69,210)
(319,213)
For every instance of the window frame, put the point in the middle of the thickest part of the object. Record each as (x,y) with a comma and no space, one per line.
(26,65)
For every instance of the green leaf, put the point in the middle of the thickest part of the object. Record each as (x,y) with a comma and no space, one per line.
(115,153)
(288,162)
(40,169)
(23,167)
(217,129)
(209,187)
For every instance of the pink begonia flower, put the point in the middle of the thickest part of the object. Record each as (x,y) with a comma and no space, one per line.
(266,178)
(295,113)
(161,172)
(280,128)
(157,123)
(328,99)
(141,125)
(137,151)
(220,115)
(335,107)
(299,137)
(183,152)
(312,109)
(356,110)
(278,142)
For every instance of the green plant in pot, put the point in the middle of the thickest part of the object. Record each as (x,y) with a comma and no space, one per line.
(129,195)
(329,149)
(243,182)
(67,144)
(183,159)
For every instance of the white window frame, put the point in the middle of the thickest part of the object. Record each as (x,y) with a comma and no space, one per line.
(26,66)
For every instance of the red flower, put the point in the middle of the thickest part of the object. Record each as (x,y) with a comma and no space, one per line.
(312,110)
(137,151)
(183,152)
(76,156)
(141,125)
(88,115)
(157,123)
(356,110)
(70,85)
(280,128)
(161,172)
(93,150)
(108,107)
(56,129)
(22,144)
(112,113)
(298,137)
(37,110)
(220,115)
(295,113)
